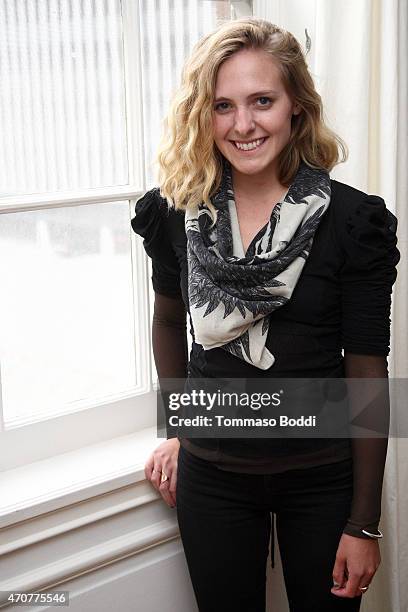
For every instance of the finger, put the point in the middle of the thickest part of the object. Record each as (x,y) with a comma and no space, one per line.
(149,467)
(351,587)
(171,496)
(156,476)
(170,469)
(165,485)
(365,580)
(173,484)
(164,492)
(339,575)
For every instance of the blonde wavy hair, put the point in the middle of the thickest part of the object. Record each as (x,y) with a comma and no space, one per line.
(190,164)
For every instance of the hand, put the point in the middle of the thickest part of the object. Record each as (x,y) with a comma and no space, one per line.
(357,560)
(164,458)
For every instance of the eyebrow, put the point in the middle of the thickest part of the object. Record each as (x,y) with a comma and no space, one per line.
(257,93)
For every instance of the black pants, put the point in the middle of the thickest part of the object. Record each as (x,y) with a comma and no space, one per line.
(225,524)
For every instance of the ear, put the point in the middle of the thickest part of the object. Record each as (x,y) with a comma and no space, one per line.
(296,109)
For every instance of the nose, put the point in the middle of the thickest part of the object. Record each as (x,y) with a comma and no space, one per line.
(243,121)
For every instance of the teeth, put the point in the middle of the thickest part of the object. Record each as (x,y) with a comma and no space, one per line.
(249,145)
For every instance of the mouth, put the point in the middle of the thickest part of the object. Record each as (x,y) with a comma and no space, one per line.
(248,147)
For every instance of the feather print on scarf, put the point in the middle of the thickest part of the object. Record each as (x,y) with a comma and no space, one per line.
(231,296)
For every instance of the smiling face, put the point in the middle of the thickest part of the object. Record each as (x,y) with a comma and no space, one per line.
(252,113)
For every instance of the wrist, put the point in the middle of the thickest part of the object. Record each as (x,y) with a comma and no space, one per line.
(174,441)
(368,531)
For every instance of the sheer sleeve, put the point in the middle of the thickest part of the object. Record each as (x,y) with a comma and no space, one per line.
(369,410)
(151,222)
(169,337)
(170,349)
(367,277)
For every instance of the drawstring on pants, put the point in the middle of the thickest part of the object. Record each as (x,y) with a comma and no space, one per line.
(272,547)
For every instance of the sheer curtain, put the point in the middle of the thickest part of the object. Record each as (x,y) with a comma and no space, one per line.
(359,61)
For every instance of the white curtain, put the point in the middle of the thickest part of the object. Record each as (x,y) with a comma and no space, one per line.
(359,58)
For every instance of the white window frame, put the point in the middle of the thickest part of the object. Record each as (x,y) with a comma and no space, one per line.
(125,412)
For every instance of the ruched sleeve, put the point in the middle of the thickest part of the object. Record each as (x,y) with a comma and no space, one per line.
(151,222)
(369,271)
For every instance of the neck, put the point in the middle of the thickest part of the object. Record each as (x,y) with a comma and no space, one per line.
(257,187)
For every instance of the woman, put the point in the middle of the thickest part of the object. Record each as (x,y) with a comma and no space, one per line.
(280,268)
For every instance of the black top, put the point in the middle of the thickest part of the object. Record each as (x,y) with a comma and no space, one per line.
(341,301)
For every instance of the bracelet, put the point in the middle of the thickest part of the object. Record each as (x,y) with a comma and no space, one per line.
(376,536)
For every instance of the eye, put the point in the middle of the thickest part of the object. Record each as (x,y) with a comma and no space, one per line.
(264,101)
(221,106)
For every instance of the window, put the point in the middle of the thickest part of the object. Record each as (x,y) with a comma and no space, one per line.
(85,85)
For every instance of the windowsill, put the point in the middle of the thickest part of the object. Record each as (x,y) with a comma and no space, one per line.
(69,478)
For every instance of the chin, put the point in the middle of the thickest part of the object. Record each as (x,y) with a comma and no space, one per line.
(250,169)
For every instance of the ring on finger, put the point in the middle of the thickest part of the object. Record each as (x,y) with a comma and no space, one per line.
(164,477)
(364,589)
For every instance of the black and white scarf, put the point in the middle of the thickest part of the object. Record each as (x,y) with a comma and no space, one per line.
(231,293)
